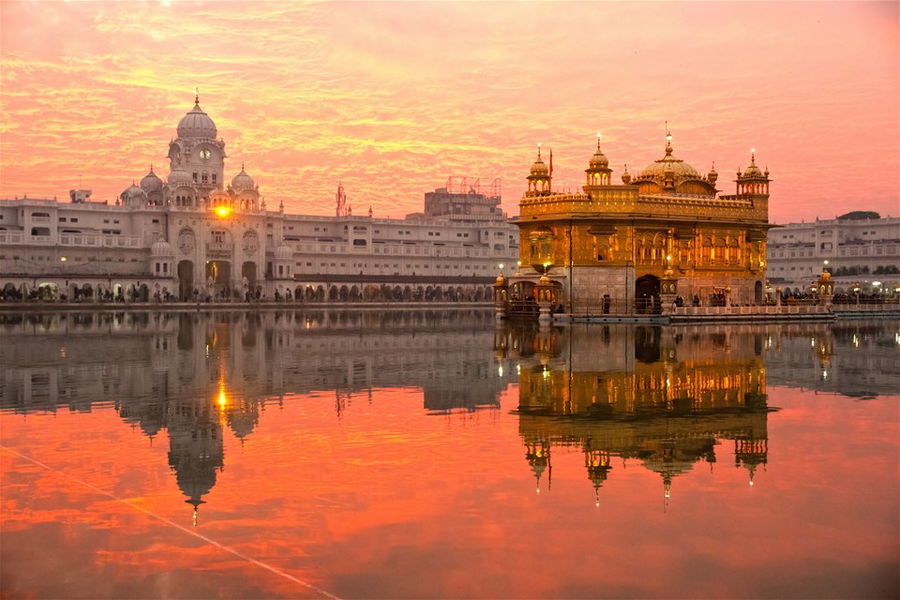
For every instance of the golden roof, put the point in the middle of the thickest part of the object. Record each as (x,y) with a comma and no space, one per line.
(598,160)
(669,164)
(539,169)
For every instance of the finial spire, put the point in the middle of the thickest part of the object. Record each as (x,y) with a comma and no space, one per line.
(197,97)
(598,140)
(668,140)
(242,166)
(752,156)
(539,151)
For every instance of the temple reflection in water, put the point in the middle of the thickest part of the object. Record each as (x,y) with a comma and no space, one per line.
(190,376)
(666,397)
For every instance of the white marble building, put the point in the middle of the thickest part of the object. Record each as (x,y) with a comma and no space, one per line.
(193,236)
(859,247)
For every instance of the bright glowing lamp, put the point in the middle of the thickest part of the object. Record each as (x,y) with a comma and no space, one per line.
(223,211)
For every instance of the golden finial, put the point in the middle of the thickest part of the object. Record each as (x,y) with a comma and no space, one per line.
(598,140)
(668,140)
(539,151)
(752,156)
(197,97)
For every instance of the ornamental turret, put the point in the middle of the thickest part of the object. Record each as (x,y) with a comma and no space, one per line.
(540,176)
(598,171)
(753,181)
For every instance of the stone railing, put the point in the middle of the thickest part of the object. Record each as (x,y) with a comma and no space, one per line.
(796,309)
(95,240)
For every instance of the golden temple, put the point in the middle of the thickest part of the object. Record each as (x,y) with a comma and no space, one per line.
(663,235)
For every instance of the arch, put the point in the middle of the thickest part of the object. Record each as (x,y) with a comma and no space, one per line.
(354,294)
(429,293)
(758,292)
(185,279)
(332,293)
(646,294)
(248,275)
(407,293)
(371,292)
(344,293)
(299,293)
(144,293)
(48,291)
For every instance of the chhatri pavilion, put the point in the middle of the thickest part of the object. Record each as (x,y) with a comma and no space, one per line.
(665,235)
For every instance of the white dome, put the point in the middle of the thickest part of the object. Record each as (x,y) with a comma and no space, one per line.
(242,182)
(284,252)
(161,248)
(132,191)
(180,177)
(151,182)
(197,124)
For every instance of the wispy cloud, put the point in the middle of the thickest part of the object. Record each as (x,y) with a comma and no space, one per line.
(392,98)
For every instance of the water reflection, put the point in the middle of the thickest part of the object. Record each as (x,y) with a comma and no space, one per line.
(188,375)
(366,453)
(663,397)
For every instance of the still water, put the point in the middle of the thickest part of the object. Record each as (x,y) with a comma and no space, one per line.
(437,455)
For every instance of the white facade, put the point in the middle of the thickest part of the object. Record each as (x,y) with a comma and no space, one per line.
(191,236)
(862,250)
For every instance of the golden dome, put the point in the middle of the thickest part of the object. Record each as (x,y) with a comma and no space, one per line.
(681,171)
(539,169)
(752,170)
(598,160)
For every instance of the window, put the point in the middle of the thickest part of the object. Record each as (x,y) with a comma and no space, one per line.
(73,220)
(195,177)
(61,219)
(214,177)
(156,220)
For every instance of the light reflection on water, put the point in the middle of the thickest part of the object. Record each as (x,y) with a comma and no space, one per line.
(399,454)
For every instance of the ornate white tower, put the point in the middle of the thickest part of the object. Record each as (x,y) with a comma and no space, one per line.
(197,152)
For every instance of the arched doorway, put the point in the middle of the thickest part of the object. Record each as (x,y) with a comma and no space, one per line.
(185,279)
(248,276)
(758,292)
(218,277)
(646,294)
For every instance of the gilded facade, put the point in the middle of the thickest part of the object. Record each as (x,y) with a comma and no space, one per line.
(614,246)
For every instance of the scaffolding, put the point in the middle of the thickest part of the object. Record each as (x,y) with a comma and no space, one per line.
(472,185)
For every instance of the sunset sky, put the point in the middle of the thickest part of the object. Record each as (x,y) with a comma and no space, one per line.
(392,98)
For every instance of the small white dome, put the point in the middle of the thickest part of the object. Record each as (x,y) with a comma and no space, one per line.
(196,124)
(151,182)
(161,248)
(242,182)
(284,252)
(132,191)
(180,177)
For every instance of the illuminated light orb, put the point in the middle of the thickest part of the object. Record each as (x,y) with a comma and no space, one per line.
(223,211)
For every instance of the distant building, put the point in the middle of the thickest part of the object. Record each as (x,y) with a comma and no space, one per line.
(859,247)
(192,235)
(620,242)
